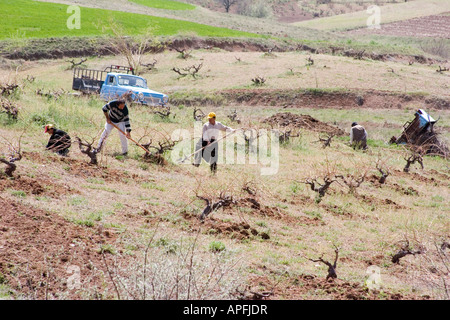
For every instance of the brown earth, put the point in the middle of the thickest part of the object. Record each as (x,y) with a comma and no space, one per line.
(348,99)
(39,251)
(300,286)
(307,122)
(435,26)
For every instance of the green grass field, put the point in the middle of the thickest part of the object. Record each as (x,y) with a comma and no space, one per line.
(32,19)
(165,4)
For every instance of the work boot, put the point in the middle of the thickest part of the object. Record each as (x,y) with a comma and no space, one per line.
(213,167)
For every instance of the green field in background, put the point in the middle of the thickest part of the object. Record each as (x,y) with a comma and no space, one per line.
(33,19)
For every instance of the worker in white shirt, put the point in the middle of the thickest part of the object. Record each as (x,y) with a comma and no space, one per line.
(210,133)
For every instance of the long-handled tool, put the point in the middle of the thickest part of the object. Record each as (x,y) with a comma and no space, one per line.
(145,149)
(181,160)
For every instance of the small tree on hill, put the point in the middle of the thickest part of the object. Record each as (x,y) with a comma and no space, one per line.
(227,4)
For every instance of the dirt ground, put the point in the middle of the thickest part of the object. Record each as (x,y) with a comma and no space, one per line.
(435,26)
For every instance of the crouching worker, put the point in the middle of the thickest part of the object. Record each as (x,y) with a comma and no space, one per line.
(59,141)
(358,137)
(210,134)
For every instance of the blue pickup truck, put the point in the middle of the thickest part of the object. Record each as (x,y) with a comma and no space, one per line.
(115,82)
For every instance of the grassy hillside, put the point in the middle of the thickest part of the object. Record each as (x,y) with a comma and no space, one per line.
(389,13)
(33,19)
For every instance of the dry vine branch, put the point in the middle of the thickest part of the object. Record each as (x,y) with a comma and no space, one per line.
(149,66)
(88,149)
(325,139)
(440,70)
(384,172)
(192,71)
(8,89)
(15,154)
(331,267)
(258,81)
(411,159)
(320,188)
(200,115)
(76,64)
(223,201)
(9,108)
(233,116)
(404,251)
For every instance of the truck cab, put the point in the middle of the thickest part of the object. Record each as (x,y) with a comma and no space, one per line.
(115,83)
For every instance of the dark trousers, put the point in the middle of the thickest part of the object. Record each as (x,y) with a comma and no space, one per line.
(209,153)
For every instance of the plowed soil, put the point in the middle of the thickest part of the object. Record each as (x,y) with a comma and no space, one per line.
(435,26)
(307,122)
(40,251)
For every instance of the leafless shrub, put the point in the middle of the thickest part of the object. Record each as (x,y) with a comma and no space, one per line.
(284,136)
(404,251)
(13,154)
(6,106)
(188,71)
(183,53)
(411,158)
(76,64)
(198,114)
(162,111)
(87,149)
(353,181)
(8,89)
(331,267)
(223,200)
(157,150)
(441,70)
(325,139)
(149,66)
(384,170)
(320,187)
(258,81)
(233,116)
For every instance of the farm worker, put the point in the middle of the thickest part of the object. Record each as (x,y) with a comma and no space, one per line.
(358,136)
(210,133)
(116,114)
(59,141)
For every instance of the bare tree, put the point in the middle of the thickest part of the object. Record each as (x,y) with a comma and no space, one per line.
(133,49)
(227,4)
